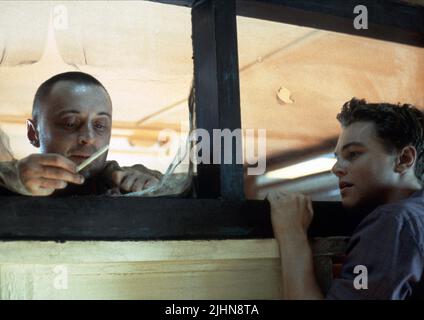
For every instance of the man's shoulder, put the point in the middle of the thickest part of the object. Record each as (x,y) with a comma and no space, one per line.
(390,243)
(404,211)
(402,219)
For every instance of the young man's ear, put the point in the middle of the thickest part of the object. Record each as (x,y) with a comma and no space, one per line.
(406,159)
(32,133)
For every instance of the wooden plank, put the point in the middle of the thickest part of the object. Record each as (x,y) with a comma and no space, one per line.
(119,218)
(106,218)
(388,20)
(228,269)
(163,280)
(217,93)
(185,3)
(287,158)
(89,252)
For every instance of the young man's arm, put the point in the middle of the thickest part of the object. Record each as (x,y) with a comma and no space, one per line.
(291,216)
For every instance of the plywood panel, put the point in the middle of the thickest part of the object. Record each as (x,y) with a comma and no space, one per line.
(247,269)
(225,269)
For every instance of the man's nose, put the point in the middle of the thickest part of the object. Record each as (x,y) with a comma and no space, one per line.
(338,169)
(86,135)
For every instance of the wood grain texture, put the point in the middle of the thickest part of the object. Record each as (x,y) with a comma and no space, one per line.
(227,269)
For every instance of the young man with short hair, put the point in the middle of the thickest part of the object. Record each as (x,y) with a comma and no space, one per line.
(379,164)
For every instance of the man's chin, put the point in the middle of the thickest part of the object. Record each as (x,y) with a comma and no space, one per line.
(349,205)
(358,205)
(351,202)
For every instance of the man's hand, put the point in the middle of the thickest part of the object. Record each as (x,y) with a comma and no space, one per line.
(42,174)
(133,180)
(291,215)
(290,212)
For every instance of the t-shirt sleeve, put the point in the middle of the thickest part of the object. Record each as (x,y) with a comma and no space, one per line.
(384,261)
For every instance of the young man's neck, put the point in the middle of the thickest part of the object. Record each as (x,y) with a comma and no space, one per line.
(403,192)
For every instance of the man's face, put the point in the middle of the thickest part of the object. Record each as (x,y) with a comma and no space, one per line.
(75,121)
(364,168)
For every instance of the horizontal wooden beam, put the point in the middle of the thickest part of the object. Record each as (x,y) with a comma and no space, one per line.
(143,135)
(133,218)
(185,3)
(124,125)
(287,158)
(389,20)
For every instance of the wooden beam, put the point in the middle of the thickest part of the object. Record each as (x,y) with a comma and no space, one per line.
(119,125)
(185,3)
(134,218)
(290,157)
(217,92)
(131,218)
(389,20)
(140,135)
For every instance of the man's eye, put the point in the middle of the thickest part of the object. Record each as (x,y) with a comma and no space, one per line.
(99,126)
(69,123)
(353,154)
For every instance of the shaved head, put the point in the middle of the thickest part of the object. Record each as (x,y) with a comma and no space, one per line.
(46,87)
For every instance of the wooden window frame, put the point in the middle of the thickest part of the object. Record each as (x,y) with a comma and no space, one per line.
(220,211)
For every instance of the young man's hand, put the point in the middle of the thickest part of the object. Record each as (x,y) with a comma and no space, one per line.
(130,179)
(290,213)
(42,174)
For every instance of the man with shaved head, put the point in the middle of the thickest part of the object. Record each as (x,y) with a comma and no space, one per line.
(380,164)
(71,120)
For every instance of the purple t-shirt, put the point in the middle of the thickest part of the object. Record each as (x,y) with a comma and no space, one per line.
(388,247)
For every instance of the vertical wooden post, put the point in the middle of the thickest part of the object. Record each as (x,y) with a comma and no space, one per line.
(217,92)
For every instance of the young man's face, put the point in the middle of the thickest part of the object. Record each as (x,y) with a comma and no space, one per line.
(75,121)
(364,168)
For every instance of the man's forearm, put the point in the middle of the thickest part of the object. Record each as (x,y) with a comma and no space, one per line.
(298,278)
